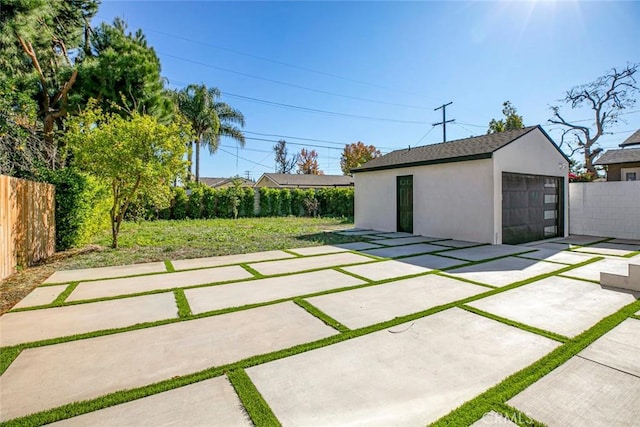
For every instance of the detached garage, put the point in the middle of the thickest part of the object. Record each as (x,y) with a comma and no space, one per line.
(507,187)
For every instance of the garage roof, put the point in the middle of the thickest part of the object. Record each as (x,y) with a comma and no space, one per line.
(624,155)
(479,147)
(634,139)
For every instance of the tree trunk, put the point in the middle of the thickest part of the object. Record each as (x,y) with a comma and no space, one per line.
(190,160)
(588,160)
(198,160)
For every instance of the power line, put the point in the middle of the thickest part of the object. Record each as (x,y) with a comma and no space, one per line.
(245,159)
(266,79)
(425,135)
(301,108)
(286,64)
(305,139)
(315,110)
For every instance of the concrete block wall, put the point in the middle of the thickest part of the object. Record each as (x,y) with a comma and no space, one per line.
(608,209)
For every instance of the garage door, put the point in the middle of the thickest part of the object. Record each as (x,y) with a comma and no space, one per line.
(531,207)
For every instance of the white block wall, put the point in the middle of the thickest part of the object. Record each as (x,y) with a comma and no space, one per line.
(608,209)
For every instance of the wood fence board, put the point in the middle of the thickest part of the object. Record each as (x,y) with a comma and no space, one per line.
(27,223)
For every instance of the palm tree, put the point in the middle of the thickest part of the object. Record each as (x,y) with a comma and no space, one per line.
(210,119)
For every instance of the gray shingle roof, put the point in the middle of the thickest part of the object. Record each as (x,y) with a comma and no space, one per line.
(632,140)
(217,182)
(623,155)
(301,180)
(479,147)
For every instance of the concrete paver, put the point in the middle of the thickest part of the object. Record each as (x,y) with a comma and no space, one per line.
(592,271)
(36,325)
(394,235)
(609,249)
(132,285)
(238,294)
(582,393)
(210,402)
(554,246)
(217,261)
(47,377)
(433,262)
(355,232)
(456,243)
(493,418)
(41,296)
(625,241)
(375,304)
(301,264)
(329,249)
(411,377)
(618,348)
(504,271)
(396,251)
(485,252)
(578,239)
(385,270)
(404,241)
(106,272)
(563,257)
(557,304)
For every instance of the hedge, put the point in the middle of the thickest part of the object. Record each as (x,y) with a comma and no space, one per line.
(82,206)
(201,201)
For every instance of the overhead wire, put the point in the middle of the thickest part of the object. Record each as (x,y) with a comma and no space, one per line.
(253,76)
(286,64)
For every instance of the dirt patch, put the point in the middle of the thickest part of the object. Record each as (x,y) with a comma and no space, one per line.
(18,286)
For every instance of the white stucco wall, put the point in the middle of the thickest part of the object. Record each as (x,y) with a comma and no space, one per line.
(607,209)
(530,154)
(451,200)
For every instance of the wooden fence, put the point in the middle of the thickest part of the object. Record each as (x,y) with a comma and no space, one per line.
(27,223)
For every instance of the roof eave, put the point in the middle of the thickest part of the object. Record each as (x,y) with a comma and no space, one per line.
(425,163)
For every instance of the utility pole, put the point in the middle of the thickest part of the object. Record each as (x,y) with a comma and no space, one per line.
(444,121)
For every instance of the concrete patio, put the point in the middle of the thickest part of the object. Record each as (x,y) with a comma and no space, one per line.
(394,330)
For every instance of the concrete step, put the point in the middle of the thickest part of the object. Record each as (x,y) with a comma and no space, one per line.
(631,281)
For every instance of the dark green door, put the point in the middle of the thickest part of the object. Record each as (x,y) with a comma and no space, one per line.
(405,203)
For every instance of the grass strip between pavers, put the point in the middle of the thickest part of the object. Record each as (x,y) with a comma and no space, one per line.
(316,312)
(547,334)
(253,402)
(63,296)
(8,354)
(169,266)
(473,410)
(252,271)
(184,310)
(635,317)
(516,416)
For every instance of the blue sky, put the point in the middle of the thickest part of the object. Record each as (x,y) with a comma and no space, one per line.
(395,61)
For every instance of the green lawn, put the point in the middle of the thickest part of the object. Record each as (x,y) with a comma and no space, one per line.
(148,241)
(162,240)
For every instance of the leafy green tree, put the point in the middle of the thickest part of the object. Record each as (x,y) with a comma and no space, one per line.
(36,37)
(122,72)
(355,155)
(210,119)
(134,155)
(511,121)
(607,97)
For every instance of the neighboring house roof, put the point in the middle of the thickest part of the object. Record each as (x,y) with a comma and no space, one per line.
(623,155)
(309,181)
(474,148)
(634,139)
(221,182)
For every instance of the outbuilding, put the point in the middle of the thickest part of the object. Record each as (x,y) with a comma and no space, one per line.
(507,187)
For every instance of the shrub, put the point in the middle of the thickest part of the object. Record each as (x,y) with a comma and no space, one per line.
(82,206)
(209,202)
(179,206)
(194,206)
